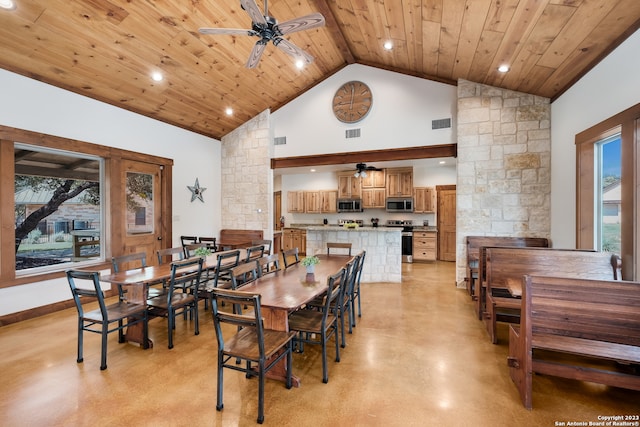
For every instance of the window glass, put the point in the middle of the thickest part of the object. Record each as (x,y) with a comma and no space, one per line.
(58,209)
(139,203)
(609,195)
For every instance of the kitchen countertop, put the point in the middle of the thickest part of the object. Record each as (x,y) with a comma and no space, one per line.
(318,227)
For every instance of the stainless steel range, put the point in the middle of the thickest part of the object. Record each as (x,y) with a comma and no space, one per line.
(407,237)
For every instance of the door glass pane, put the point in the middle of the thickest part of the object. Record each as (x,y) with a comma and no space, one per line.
(57,208)
(140,214)
(609,194)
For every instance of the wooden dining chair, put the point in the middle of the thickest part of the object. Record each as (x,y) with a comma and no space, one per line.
(317,327)
(129,262)
(355,293)
(265,243)
(269,264)
(102,319)
(254,252)
(182,295)
(244,273)
(188,240)
(341,247)
(290,257)
(210,242)
(260,348)
(170,254)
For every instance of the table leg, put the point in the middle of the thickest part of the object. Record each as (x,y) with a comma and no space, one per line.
(137,293)
(278,319)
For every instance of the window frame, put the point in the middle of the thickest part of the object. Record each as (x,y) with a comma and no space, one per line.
(112,188)
(627,123)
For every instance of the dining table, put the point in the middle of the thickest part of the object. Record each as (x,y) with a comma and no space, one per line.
(137,281)
(287,290)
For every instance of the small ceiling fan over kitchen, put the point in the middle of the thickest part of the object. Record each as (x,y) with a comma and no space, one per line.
(362,168)
(267,29)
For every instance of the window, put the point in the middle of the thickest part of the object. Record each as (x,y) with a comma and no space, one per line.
(95,219)
(58,208)
(607,179)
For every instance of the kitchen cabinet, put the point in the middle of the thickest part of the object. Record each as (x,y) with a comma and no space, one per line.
(399,182)
(324,201)
(424,199)
(424,245)
(329,201)
(295,201)
(374,179)
(294,238)
(373,198)
(349,186)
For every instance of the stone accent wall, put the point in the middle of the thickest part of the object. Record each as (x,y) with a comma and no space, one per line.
(504,165)
(247,178)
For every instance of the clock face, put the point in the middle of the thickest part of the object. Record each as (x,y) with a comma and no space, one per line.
(352,102)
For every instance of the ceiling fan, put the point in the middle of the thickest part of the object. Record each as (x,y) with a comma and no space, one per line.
(267,29)
(362,168)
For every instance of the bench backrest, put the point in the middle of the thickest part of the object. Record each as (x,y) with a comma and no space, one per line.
(240,236)
(601,310)
(504,264)
(475,243)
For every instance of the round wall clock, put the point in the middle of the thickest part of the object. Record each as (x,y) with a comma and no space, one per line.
(352,102)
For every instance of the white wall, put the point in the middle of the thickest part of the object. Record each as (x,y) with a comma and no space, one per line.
(611,87)
(401,115)
(35,106)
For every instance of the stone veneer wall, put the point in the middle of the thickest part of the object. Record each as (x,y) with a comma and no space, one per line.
(504,165)
(247,178)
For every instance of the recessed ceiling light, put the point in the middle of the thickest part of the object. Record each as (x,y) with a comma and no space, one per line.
(299,64)
(503,68)
(388,45)
(157,76)
(442,162)
(8,4)
(312,170)
(229,111)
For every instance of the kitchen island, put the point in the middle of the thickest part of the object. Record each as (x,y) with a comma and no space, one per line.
(383,262)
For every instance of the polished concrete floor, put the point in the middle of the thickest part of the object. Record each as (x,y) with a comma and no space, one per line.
(418,357)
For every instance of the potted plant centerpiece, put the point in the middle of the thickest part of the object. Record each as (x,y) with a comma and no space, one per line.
(202,252)
(310,262)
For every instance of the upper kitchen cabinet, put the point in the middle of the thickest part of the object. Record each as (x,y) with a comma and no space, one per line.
(424,199)
(373,198)
(399,182)
(329,201)
(374,179)
(295,201)
(324,201)
(349,186)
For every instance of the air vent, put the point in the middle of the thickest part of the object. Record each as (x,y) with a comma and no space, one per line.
(280,140)
(352,133)
(441,124)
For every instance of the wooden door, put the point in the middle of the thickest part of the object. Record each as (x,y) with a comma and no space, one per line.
(446,196)
(141,222)
(277,210)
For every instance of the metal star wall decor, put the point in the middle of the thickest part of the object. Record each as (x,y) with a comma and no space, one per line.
(196,191)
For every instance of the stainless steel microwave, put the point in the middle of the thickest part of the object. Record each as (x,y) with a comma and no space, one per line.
(349,205)
(400,204)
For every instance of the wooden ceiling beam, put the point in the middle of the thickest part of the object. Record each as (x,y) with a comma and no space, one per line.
(331,23)
(407,153)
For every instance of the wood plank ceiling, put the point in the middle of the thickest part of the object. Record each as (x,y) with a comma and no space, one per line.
(106,49)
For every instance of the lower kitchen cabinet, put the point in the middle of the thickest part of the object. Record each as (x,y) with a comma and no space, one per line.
(294,238)
(424,245)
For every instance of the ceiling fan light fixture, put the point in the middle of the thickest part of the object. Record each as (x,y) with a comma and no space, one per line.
(363,174)
(357,174)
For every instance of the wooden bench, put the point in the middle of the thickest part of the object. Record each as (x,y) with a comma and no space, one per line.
(474,243)
(587,330)
(237,239)
(502,265)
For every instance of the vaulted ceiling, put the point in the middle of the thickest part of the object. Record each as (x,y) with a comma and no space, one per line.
(107,49)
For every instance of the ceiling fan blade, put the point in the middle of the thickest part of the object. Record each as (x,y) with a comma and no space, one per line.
(307,22)
(254,12)
(228,31)
(256,53)
(292,49)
